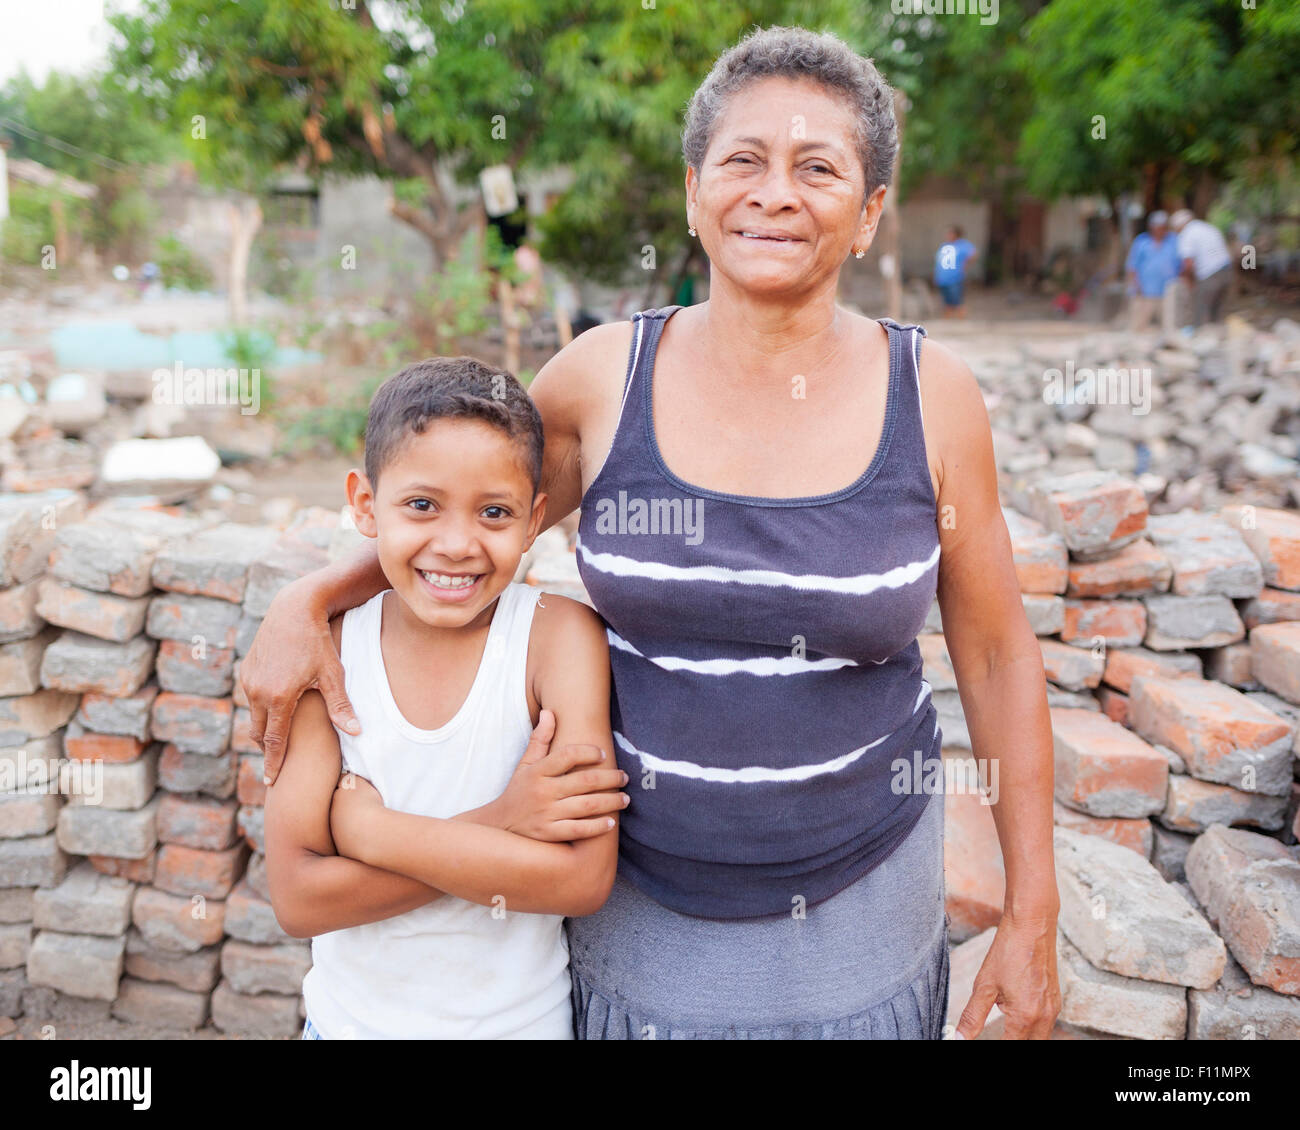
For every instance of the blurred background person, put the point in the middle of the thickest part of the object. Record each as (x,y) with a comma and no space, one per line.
(1152,265)
(950,271)
(1206,265)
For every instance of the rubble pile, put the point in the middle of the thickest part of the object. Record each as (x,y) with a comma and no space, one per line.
(124,432)
(1212,418)
(1171,649)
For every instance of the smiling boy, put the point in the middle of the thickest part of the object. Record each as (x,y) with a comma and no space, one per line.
(458,852)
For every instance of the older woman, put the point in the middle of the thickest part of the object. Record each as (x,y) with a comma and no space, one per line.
(773,490)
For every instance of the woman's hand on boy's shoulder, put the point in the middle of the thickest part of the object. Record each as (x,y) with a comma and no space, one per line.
(566,789)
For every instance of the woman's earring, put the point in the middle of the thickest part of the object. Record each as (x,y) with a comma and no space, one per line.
(692,231)
(858,254)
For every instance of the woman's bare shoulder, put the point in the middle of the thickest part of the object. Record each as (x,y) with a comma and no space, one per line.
(585,364)
(948,387)
(955,415)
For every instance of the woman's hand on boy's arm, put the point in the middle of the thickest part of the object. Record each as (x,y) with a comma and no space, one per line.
(558,797)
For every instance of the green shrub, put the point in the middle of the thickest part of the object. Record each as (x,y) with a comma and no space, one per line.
(252,349)
(180,267)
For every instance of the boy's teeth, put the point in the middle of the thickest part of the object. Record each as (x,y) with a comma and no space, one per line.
(445,582)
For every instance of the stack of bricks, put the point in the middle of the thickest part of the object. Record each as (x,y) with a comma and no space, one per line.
(131,875)
(32,718)
(262,967)
(1171,647)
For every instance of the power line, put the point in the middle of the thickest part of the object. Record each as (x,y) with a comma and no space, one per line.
(66,146)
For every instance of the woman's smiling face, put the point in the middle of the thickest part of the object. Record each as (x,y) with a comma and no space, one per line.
(778,203)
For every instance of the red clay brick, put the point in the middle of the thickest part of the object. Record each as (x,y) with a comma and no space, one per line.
(194,722)
(1134,834)
(103,615)
(83,745)
(197,822)
(1275,658)
(1113,704)
(972,864)
(1105,770)
(240,739)
(1136,569)
(1273,537)
(250,788)
(137,870)
(1120,623)
(1123,664)
(178,923)
(194,871)
(1221,734)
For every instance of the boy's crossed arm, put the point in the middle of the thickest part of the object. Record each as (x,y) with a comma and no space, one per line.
(484,864)
(313,890)
(551,796)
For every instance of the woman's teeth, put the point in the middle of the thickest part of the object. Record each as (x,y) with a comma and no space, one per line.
(442,581)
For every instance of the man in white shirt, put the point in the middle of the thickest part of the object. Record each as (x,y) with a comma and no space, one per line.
(1207,264)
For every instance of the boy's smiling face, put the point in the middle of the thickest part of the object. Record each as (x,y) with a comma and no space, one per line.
(453,512)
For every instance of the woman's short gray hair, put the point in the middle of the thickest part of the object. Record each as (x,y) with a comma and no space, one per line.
(796,52)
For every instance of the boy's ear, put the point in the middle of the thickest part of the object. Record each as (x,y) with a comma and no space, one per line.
(535,520)
(361,497)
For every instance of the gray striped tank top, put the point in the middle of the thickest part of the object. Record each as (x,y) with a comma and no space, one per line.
(766,674)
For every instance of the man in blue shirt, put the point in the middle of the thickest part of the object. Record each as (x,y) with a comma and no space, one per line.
(950,271)
(1152,265)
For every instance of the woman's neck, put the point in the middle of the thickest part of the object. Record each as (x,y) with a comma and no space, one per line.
(752,338)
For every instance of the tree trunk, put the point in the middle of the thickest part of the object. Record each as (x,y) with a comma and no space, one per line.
(438,220)
(1204,192)
(1154,175)
(60,232)
(245,220)
(563,327)
(509,324)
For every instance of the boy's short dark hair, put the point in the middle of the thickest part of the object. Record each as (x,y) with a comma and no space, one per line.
(442,388)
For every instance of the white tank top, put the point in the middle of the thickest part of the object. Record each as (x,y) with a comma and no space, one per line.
(451,969)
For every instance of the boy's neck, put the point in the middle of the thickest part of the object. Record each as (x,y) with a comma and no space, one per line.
(407,627)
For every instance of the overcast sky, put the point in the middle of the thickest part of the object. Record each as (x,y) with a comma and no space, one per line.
(61,35)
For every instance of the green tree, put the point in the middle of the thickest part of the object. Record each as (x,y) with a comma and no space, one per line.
(96,129)
(1188,90)
(405,89)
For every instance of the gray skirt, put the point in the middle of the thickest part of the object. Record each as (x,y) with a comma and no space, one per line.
(868,963)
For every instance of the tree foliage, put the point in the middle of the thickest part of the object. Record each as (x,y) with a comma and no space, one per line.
(95,129)
(399,89)
(1190,91)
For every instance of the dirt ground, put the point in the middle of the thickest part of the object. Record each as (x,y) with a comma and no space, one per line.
(34,1028)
